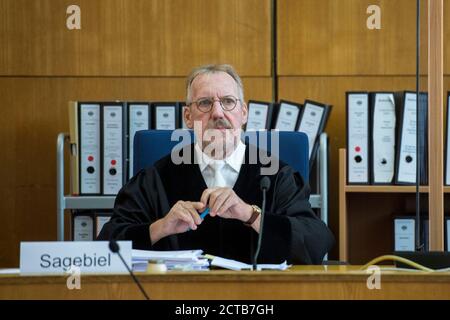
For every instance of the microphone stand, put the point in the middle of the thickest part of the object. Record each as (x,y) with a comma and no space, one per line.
(264,185)
(114,247)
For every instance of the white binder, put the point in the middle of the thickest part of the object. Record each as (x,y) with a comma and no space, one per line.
(138,119)
(83,228)
(312,122)
(89,117)
(407,159)
(100,221)
(404,234)
(383,137)
(358,133)
(113,153)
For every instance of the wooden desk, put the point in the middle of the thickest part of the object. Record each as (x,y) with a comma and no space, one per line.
(300,282)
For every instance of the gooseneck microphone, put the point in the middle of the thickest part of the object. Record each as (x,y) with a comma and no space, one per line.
(114,247)
(264,185)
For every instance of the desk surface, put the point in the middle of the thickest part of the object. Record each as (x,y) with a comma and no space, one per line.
(299,282)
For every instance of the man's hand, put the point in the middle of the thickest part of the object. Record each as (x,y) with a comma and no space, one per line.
(181,217)
(225,203)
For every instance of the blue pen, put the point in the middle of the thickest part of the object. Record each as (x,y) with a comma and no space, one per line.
(204,213)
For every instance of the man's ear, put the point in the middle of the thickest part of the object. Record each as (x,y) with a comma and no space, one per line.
(244,113)
(188,117)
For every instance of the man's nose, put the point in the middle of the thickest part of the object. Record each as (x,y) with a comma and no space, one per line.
(216,110)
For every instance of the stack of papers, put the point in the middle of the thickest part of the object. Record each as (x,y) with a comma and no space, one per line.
(185,260)
(192,260)
(236,265)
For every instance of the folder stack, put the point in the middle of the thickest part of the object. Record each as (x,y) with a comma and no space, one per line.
(382,138)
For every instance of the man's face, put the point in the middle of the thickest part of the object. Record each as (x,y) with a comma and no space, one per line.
(225,126)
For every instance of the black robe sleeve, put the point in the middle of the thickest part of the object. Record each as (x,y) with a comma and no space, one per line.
(139,203)
(291,228)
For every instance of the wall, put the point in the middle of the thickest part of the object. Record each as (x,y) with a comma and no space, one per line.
(141,50)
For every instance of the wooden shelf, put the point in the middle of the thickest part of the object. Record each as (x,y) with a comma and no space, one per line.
(367,211)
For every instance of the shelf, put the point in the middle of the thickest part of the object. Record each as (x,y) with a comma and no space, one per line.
(388,189)
(367,211)
(83,202)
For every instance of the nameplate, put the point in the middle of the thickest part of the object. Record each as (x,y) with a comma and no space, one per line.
(60,257)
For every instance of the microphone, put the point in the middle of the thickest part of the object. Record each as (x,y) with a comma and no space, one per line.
(114,247)
(264,185)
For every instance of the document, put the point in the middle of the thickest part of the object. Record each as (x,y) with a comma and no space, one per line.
(383,138)
(358,138)
(184,260)
(236,265)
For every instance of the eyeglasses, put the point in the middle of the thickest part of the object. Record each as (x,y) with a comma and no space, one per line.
(227,103)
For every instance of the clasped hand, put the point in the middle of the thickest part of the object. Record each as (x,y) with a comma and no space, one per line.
(222,202)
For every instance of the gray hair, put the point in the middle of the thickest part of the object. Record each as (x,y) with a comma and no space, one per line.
(213,68)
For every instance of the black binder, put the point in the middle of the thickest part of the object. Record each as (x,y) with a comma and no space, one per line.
(277,116)
(252,104)
(306,118)
(169,111)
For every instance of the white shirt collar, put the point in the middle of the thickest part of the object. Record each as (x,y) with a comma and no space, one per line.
(234,160)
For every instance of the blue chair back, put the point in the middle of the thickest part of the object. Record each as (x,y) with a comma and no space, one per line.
(152,145)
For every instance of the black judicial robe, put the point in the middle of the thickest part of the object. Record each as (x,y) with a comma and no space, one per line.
(291,232)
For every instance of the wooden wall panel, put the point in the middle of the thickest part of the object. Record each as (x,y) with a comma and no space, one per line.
(330,37)
(33,112)
(134,38)
(332,90)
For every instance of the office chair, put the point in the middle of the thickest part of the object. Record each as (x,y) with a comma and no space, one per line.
(152,145)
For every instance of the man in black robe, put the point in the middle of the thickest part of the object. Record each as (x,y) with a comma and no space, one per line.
(159,208)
